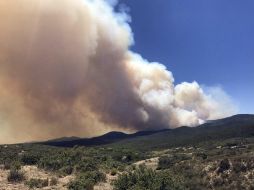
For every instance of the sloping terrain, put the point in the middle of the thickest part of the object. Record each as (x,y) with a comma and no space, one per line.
(108,138)
(32,172)
(231,127)
(241,126)
(217,155)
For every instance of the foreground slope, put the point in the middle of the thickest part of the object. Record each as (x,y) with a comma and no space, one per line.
(214,156)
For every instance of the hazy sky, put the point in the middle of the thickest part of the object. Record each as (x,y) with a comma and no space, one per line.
(210,41)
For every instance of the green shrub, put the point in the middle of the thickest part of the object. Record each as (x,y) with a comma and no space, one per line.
(30,159)
(218,182)
(16,165)
(239,167)
(50,164)
(81,184)
(168,181)
(86,181)
(165,162)
(37,183)
(202,155)
(7,164)
(121,168)
(53,181)
(126,155)
(113,172)
(66,170)
(86,166)
(223,166)
(147,179)
(15,176)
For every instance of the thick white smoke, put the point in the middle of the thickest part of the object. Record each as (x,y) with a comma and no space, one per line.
(66,69)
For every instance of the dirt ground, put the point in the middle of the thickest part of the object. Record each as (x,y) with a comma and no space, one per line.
(33,172)
(149,163)
(106,185)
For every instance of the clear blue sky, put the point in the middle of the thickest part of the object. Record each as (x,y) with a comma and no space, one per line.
(210,41)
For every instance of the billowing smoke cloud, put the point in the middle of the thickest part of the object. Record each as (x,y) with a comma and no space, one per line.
(66,69)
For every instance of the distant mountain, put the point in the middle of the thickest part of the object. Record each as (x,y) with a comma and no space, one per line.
(64,139)
(233,120)
(107,138)
(236,126)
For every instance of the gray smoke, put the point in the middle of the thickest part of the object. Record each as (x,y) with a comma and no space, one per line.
(66,69)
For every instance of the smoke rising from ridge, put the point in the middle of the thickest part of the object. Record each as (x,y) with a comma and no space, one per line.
(66,69)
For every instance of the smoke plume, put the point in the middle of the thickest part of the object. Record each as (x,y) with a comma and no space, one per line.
(66,69)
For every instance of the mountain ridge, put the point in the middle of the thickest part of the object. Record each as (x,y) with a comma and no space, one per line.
(240,125)
(107,138)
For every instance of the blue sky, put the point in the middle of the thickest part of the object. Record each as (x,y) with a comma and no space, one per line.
(210,41)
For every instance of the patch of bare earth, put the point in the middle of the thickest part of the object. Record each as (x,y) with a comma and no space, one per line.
(151,163)
(33,172)
(107,185)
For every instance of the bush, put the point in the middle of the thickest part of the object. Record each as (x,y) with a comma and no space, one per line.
(37,183)
(81,184)
(239,167)
(143,178)
(13,165)
(50,164)
(165,162)
(223,166)
(66,170)
(218,181)
(15,176)
(202,155)
(29,159)
(113,172)
(86,166)
(86,180)
(7,164)
(16,165)
(53,181)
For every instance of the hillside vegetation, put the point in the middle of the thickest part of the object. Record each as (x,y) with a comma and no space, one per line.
(216,155)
